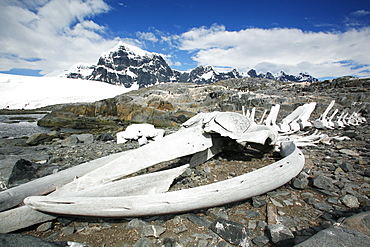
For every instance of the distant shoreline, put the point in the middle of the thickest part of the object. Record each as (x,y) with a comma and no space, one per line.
(21,112)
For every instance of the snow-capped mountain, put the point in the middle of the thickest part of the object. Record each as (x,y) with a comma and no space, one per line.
(128,65)
(76,71)
(282,76)
(207,74)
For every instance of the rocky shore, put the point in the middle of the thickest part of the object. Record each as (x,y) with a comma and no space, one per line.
(327,204)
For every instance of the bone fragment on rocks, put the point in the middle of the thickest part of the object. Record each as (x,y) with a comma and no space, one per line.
(322,121)
(263,117)
(331,124)
(271,118)
(252,115)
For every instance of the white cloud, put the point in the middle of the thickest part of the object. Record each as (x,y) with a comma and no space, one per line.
(291,50)
(147,36)
(51,35)
(361,12)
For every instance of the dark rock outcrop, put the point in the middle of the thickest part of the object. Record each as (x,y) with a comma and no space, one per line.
(170,104)
(23,171)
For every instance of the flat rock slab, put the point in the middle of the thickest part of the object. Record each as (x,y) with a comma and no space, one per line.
(349,152)
(20,240)
(336,236)
(359,222)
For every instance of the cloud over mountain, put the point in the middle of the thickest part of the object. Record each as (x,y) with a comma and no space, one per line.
(288,49)
(49,35)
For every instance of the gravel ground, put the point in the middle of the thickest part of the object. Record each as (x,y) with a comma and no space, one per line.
(333,185)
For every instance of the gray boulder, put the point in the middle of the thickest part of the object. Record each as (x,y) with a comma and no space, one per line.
(323,182)
(70,141)
(85,138)
(38,138)
(358,222)
(280,235)
(23,171)
(232,232)
(335,237)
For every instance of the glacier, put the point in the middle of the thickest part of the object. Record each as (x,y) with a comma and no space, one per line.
(31,92)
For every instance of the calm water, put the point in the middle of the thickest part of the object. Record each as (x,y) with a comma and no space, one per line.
(11,126)
(25,125)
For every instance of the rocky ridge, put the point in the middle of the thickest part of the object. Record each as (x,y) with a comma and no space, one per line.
(128,65)
(170,104)
(328,198)
(282,76)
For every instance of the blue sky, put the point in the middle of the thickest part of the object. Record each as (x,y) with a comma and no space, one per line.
(324,38)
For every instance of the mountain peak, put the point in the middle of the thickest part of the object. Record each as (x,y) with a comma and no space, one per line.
(282,76)
(129,49)
(128,65)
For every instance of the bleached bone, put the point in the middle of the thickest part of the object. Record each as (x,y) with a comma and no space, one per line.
(237,127)
(330,120)
(351,120)
(285,126)
(153,183)
(14,196)
(271,118)
(250,115)
(360,118)
(339,122)
(355,119)
(310,140)
(247,114)
(232,190)
(147,184)
(322,122)
(203,156)
(139,132)
(302,141)
(253,115)
(303,121)
(298,119)
(181,143)
(263,117)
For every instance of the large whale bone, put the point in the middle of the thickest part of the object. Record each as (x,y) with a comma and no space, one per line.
(271,118)
(339,122)
(308,140)
(233,125)
(188,140)
(151,183)
(355,118)
(298,119)
(232,190)
(181,143)
(331,124)
(14,196)
(322,121)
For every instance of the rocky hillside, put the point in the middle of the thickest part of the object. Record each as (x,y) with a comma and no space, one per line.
(282,76)
(170,104)
(129,65)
